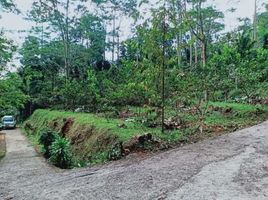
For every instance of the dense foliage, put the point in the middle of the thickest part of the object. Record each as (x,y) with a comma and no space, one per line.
(11,96)
(75,58)
(69,69)
(56,148)
(46,139)
(61,155)
(95,139)
(178,71)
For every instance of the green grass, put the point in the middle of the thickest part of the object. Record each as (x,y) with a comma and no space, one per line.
(100,133)
(92,148)
(239,106)
(95,147)
(241,114)
(42,117)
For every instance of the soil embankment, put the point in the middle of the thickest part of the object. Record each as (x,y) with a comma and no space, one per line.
(2,145)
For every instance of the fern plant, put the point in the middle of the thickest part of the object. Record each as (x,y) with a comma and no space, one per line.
(46,139)
(61,155)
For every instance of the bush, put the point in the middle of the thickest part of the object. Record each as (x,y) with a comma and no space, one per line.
(218,96)
(60,152)
(116,152)
(236,94)
(46,139)
(259,109)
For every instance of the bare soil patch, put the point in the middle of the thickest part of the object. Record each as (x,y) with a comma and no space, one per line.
(2,145)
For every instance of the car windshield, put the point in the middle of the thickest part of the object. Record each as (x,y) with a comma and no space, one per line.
(8,119)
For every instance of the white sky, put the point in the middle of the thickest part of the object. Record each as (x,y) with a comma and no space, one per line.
(13,22)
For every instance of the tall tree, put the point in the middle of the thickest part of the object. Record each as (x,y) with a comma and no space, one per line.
(204,24)
(255,22)
(112,11)
(262,28)
(7,49)
(8,6)
(57,14)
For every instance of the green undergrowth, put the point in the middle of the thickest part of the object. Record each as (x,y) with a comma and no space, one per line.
(95,139)
(235,114)
(91,137)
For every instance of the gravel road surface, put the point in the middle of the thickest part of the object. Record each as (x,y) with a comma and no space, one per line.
(230,167)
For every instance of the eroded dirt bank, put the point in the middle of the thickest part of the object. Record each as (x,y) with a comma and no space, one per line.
(233,166)
(2,145)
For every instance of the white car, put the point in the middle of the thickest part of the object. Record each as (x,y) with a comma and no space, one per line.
(8,121)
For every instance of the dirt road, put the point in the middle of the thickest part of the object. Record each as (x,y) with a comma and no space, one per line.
(233,166)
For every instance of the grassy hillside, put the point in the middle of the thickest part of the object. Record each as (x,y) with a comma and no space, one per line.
(94,137)
(91,136)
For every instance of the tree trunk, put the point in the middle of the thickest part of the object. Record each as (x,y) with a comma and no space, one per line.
(191,52)
(163,71)
(204,53)
(113,45)
(196,53)
(118,47)
(255,22)
(66,42)
(179,35)
(178,49)
(191,55)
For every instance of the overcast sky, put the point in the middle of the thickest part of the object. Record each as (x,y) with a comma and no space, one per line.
(13,22)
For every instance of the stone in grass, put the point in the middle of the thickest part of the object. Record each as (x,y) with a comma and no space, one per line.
(122,125)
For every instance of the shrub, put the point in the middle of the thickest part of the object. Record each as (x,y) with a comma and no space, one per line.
(236,94)
(46,139)
(259,109)
(116,152)
(60,152)
(218,96)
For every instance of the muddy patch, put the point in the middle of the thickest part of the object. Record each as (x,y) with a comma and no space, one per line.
(66,126)
(143,143)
